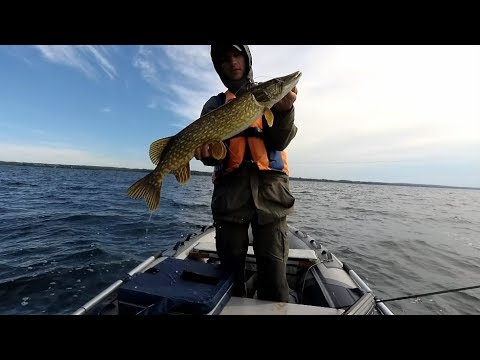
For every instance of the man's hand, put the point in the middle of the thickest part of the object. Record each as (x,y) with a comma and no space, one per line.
(211,154)
(203,152)
(287,102)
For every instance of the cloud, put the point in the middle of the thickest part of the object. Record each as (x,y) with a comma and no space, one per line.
(99,53)
(181,76)
(106,110)
(356,104)
(382,103)
(58,153)
(86,58)
(146,60)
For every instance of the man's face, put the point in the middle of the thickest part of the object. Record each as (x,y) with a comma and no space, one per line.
(233,64)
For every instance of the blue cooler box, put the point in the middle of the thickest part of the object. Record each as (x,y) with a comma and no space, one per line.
(176,287)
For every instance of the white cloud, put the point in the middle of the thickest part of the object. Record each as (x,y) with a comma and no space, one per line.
(356,104)
(182,75)
(146,61)
(86,58)
(361,103)
(99,53)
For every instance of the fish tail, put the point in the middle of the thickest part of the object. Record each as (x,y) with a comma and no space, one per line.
(149,188)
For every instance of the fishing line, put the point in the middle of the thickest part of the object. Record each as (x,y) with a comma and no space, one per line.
(429,293)
(356,162)
(146,226)
(305,278)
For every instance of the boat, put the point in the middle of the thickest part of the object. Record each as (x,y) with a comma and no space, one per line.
(188,279)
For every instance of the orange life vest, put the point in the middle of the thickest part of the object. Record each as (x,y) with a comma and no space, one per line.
(265,159)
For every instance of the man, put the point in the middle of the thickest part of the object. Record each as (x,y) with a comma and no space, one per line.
(243,195)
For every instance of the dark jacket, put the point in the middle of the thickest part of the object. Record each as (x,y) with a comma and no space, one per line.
(247,191)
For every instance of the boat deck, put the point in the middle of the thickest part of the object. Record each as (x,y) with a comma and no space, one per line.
(318,282)
(206,249)
(247,306)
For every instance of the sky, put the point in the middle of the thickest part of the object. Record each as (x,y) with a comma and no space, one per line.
(396,113)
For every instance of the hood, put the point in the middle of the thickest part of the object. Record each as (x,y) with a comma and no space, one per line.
(233,86)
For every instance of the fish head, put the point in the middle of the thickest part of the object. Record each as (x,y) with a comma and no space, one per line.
(272,91)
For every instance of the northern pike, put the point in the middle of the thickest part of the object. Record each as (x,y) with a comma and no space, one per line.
(173,154)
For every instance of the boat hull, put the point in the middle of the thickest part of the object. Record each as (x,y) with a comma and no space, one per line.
(188,279)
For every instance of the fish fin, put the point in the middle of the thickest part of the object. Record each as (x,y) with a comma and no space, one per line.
(218,150)
(156,149)
(268,115)
(182,174)
(149,188)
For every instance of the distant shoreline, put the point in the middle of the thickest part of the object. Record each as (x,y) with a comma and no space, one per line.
(202,173)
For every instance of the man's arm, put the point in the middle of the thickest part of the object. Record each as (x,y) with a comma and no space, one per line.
(283,129)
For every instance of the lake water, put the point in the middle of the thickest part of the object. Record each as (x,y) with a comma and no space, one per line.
(67,233)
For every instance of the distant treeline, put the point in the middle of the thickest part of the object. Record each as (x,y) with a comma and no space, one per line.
(202,173)
(89,167)
(385,183)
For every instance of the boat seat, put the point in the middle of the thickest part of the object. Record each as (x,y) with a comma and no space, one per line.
(176,286)
(305,255)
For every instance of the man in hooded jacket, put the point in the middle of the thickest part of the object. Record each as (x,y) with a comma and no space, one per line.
(245,195)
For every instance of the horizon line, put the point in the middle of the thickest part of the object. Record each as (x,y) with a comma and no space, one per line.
(99,167)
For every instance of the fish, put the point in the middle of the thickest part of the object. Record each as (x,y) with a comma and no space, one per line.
(173,154)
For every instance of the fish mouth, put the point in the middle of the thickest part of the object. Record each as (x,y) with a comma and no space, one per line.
(270,92)
(293,77)
(297,74)
(291,80)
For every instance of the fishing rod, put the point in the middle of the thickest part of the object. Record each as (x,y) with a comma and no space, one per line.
(429,293)
(381,302)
